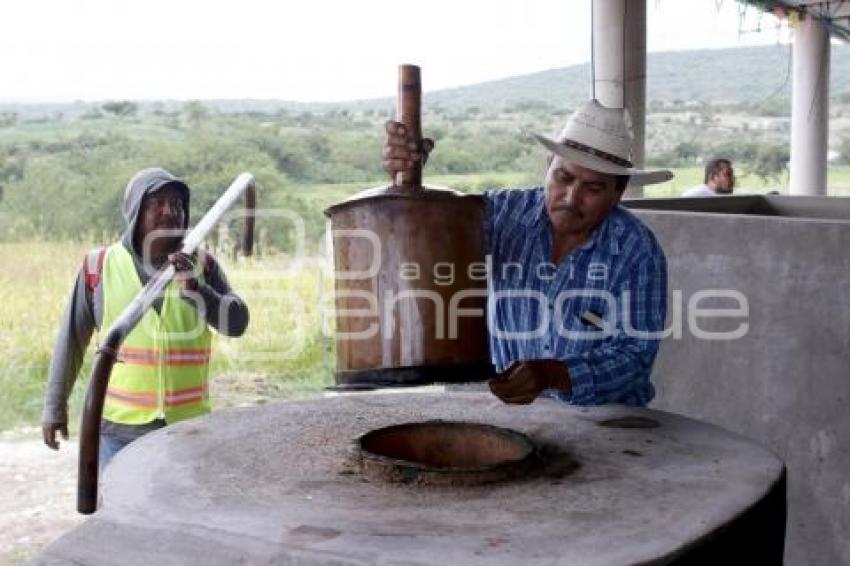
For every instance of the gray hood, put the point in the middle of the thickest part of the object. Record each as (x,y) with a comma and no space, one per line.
(142,183)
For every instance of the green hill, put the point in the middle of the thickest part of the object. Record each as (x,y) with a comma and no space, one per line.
(731,76)
(736,76)
(62,166)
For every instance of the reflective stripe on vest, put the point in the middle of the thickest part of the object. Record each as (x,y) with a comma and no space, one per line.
(164,362)
(151,400)
(174,357)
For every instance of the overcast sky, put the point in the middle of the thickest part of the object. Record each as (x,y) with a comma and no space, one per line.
(316,50)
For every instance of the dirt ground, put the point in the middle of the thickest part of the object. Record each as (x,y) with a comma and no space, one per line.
(38,493)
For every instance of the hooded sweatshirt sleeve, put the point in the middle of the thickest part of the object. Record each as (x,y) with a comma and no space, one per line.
(225,310)
(75,330)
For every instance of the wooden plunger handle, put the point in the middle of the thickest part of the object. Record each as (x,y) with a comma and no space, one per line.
(408,113)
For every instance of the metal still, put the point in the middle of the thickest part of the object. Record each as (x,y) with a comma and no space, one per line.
(410,277)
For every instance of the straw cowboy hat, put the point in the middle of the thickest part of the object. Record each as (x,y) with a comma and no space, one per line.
(599,139)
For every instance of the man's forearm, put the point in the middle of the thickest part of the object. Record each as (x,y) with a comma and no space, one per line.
(609,374)
(227,313)
(64,367)
(75,331)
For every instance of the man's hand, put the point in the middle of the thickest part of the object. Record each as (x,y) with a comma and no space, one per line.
(400,152)
(523,381)
(48,431)
(185,267)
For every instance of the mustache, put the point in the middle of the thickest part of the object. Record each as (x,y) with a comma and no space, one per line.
(567,208)
(166,231)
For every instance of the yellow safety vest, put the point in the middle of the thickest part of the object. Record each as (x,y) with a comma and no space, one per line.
(163,363)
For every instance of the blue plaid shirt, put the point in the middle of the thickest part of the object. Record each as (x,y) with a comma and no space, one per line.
(600,311)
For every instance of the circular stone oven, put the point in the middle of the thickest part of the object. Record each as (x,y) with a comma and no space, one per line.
(280,484)
(445,453)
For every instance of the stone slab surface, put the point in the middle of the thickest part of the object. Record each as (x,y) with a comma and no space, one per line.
(279,484)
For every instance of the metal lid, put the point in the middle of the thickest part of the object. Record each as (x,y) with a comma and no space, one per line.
(425,193)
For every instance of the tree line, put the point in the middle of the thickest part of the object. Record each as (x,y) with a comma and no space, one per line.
(63,178)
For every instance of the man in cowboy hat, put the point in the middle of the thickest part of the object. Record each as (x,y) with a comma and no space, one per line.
(581,320)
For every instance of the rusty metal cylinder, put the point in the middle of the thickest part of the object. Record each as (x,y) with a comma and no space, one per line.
(410,278)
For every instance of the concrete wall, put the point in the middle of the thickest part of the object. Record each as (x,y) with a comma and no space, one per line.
(786,383)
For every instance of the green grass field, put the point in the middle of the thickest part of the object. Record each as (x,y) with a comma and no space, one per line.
(283,354)
(34,284)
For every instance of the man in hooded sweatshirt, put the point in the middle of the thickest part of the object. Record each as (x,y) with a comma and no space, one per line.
(161,376)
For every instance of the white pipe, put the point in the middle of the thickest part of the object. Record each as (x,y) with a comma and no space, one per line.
(809,108)
(236,189)
(619,65)
(609,64)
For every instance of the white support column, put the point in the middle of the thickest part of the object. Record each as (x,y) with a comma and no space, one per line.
(809,109)
(619,65)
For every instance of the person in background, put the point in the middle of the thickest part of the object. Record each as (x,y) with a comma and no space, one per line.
(719,180)
(161,374)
